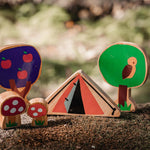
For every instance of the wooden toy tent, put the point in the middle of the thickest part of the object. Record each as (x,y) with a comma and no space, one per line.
(79,94)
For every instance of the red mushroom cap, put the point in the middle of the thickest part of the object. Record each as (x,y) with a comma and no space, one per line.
(37,110)
(13,106)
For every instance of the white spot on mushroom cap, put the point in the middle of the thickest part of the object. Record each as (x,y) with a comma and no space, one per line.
(40,110)
(15,102)
(32,108)
(13,110)
(20,109)
(35,114)
(6,107)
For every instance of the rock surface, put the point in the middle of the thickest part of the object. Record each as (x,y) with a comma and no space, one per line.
(130,131)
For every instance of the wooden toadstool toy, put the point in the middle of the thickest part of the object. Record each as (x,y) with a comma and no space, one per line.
(38,111)
(11,106)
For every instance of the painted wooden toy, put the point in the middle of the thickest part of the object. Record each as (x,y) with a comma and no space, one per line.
(11,106)
(124,65)
(80,95)
(38,111)
(20,67)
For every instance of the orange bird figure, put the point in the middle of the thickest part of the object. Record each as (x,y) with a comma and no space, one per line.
(129,70)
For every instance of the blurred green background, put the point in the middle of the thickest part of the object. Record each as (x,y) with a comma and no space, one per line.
(70,35)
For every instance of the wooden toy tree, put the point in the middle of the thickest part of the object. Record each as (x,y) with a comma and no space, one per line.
(124,65)
(20,67)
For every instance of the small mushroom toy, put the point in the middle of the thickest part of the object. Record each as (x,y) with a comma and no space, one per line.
(38,111)
(11,106)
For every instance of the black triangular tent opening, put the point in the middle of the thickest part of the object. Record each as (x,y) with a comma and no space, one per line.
(73,103)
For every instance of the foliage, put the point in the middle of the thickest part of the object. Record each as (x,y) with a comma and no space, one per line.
(43,25)
(48,20)
(134,26)
(57,70)
(11,124)
(42,21)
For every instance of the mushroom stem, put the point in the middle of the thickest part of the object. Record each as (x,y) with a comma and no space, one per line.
(24,92)
(12,121)
(40,121)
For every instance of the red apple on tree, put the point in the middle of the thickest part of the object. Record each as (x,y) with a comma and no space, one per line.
(27,57)
(5,64)
(22,74)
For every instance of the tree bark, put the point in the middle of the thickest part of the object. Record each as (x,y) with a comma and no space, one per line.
(122,94)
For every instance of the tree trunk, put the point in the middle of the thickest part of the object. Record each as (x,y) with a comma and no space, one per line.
(122,94)
(24,92)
